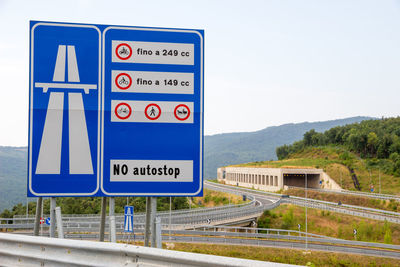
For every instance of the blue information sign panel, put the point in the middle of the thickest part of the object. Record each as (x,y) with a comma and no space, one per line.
(115,111)
(128,220)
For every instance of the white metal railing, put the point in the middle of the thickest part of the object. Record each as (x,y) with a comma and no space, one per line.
(19,250)
(355,193)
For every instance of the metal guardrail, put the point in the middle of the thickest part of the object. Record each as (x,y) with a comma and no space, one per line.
(354,193)
(225,234)
(18,250)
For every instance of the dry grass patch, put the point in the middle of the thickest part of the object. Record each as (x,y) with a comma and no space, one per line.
(213,198)
(288,256)
(330,224)
(346,199)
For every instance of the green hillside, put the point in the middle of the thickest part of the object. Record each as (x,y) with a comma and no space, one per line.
(234,148)
(370,148)
(219,150)
(334,161)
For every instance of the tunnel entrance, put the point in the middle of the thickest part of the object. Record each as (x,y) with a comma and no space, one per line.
(298,180)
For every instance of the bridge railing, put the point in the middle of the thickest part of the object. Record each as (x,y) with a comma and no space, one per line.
(325,205)
(355,193)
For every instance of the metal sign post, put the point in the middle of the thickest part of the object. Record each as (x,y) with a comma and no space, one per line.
(39,204)
(103,218)
(111,210)
(147,224)
(153,213)
(60,229)
(52,217)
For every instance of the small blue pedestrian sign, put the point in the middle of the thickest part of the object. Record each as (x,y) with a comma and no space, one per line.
(128,222)
(48,221)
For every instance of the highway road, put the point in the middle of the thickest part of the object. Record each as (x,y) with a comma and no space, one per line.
(268,197)
(85,227)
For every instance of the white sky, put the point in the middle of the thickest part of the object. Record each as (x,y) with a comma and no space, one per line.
(266,62)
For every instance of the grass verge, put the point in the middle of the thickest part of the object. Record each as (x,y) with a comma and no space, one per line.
(288,256)
(330,224)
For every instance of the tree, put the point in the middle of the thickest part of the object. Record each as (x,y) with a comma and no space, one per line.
(372,143)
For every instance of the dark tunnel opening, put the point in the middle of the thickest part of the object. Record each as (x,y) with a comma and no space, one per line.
(298,180)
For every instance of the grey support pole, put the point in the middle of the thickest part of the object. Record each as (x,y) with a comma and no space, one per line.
(147,226)
(111,207)
(158,232)
(52,217)
(39,204)
(153,221)
(102,218)
(60,229)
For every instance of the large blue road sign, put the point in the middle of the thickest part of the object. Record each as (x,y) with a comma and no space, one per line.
(64,109)
(115,111)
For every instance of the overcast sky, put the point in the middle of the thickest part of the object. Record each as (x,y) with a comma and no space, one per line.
(266,62)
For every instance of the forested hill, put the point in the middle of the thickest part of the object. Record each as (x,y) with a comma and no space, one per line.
(220,150)
(377,140)
(234,148)
(13,165)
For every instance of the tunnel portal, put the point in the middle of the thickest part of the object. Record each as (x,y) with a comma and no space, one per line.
(298,180)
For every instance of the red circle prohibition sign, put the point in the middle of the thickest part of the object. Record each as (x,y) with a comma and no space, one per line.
(121,57)
(117,82)
(123,117)
(148,116)
(177,111)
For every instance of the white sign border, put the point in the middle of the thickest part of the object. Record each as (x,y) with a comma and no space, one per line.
(201,112)
(31,110)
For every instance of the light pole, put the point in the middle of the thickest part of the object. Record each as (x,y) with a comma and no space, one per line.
(379,180)
(27,207)
(305,176)
(170,207)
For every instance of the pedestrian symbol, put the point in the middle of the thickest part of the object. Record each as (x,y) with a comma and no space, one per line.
(152,111)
